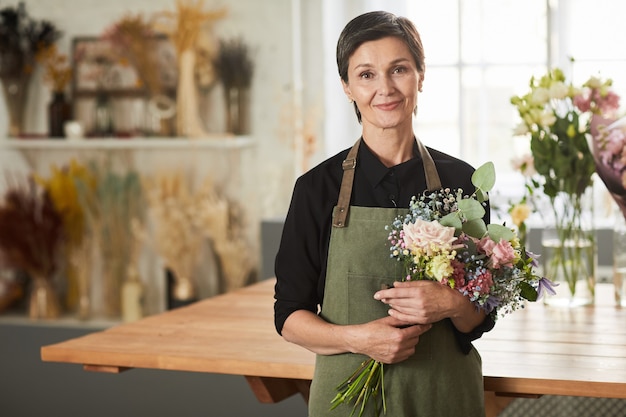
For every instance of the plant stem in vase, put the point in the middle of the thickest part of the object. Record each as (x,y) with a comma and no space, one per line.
(569,251)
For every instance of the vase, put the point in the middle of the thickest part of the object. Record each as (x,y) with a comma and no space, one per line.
(569,254)
(103,116)
(188,122)
(181,291)
(43,300)
(15,74)
(237,101)
(59,112)
(132,296)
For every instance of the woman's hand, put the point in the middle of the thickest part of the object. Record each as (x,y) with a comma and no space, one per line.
(387,340)
(429,302)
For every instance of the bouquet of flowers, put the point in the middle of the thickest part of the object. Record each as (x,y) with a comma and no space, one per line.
(609,151)
(444,238)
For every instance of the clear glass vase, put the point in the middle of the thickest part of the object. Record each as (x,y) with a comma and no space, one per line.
(569,250)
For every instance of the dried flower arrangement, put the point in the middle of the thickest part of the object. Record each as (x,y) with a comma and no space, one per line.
(234,63)
(184,220)
(171,206)
(31,239)
(57,68)
(21,37)
(31,229)
(185,24)
(61,186)
(110,209)
(184,27)
(223,222)
(133,40)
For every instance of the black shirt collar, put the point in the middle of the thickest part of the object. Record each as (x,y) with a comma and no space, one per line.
(374,170)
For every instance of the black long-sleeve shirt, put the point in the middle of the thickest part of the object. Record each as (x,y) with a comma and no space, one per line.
(301,260)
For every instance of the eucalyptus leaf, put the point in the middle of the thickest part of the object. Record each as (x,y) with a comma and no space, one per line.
(475,228)
(484,178)
(497,232)
(471,209)
(451,220)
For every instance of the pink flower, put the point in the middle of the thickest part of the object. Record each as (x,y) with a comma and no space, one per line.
(503,254)
(500,253)
(428,237)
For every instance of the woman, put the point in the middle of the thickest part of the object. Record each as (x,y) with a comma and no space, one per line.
(340,262)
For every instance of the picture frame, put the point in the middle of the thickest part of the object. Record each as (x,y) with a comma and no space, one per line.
(96,68)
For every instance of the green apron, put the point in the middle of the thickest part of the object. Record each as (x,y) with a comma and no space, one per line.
(438,380)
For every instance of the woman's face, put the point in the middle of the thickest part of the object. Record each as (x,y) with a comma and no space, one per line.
(383,82)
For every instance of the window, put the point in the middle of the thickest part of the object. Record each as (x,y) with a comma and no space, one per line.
(479,53)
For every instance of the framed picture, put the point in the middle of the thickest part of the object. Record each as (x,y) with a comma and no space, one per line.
(103,67)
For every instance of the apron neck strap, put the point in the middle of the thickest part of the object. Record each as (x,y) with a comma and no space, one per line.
(349,165)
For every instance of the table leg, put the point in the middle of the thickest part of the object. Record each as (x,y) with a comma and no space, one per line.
(273,390)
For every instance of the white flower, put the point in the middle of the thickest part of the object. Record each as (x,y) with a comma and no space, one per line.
(521,129)
(559,90)
(540,96)
(546,119)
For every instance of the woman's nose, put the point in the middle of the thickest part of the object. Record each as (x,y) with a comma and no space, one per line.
(385,86)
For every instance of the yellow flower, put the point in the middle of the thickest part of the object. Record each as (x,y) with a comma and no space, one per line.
(519,213)
(439,267)
(62,189)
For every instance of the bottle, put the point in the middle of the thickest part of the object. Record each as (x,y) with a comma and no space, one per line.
(59,112)
(132,296)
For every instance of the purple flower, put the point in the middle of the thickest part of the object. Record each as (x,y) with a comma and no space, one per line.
(545,286)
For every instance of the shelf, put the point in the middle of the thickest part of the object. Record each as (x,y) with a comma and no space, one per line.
(213,142)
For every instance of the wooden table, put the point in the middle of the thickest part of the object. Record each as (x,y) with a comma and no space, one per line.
(536,351)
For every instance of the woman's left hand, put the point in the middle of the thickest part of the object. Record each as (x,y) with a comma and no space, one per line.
(422,302)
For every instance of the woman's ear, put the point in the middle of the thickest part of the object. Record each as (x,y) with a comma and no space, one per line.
(346,90)
(420,82)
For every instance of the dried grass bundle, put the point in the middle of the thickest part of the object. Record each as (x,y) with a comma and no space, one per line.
(172,207)
(133,39)
(233,63)
(185,24)
(111,207)
(31,229)
(57,68)
(223,222)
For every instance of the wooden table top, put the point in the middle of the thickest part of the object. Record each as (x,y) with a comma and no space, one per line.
(534,351)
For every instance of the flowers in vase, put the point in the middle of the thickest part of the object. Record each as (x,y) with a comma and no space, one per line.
(555,114)
(57,68)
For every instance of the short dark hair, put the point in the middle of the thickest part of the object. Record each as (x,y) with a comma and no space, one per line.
(372,26)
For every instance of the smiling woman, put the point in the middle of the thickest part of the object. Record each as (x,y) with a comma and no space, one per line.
(330,256)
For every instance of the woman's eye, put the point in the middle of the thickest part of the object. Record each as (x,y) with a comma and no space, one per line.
(398,70)
(366,75)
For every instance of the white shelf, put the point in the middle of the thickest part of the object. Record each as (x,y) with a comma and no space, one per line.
(213,142)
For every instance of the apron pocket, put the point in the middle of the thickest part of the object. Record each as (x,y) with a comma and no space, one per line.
(362,307)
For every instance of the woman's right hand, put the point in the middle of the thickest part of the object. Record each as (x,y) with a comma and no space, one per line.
(387,340)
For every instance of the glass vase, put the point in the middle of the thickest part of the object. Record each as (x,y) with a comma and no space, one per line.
(237,102)
(569,254)
(15,80)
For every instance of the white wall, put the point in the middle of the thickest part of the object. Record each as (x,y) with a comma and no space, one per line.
(268,29)
(296,88)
